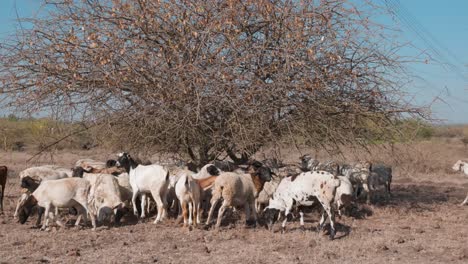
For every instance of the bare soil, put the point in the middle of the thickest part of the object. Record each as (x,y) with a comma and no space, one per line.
(421,223)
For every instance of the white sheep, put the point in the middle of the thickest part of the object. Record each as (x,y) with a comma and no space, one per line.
(304,190)
(46,172)
(344,195)
(238,190)
(104,198)
(149,179)
(358,174)
(267,193)
(88,164)
(62,193)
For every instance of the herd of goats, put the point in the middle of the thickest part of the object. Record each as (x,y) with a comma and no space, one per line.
(105,190)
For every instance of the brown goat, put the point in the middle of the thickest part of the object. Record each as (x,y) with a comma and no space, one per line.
(3,179)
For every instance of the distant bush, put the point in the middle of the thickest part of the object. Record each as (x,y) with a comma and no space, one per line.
(19,134)
(414,129)
(451,131)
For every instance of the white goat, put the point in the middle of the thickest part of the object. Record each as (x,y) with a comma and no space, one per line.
(62,193)
(39,174)
(189,193)
(147,179)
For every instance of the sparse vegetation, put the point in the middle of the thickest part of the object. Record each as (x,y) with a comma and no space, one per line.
(19,134)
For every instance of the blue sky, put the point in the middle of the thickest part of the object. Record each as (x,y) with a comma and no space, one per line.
(447,22)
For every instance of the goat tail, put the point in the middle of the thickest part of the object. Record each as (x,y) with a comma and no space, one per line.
(187,182)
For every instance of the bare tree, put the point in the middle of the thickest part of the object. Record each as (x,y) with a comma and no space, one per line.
(211,77)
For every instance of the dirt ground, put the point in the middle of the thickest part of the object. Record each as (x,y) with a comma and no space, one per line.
(422,223)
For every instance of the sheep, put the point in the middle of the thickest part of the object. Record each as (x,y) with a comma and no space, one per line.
(462,166)
(239,190)
(105,198)
(46,172)
(87,164)
(124,187)
(3,180)
(39,174)
(358,175)
(304,190)
(190,190)
(78,171)
(344,195)
(267,193)
(380,175)
(152,179)
(61,193)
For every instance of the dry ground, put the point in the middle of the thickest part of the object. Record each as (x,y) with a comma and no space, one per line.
(422,223)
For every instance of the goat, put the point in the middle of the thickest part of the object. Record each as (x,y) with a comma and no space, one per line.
(152,179)
(62,193)
(39,174)
(191,189)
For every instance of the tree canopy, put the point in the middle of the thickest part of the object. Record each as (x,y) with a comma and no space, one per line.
(211,77)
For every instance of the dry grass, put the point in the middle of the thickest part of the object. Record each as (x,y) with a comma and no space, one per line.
(422,223)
